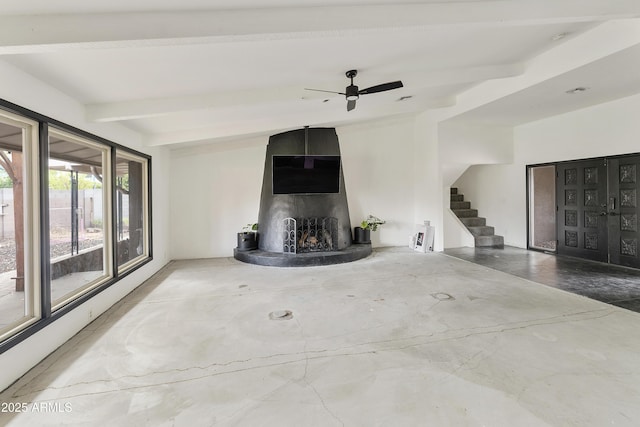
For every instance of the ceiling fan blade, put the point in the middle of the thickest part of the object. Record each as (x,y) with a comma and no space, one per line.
(351,105)
(327,91)
(381,88)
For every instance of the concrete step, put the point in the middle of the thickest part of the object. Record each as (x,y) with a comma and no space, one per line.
(483,234)
(489,241)
(482,230)
(465,213)
(460,205)
(474,221)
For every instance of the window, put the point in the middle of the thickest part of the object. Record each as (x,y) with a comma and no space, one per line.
(74,218)
(19,260)
(131,208)
(78,215)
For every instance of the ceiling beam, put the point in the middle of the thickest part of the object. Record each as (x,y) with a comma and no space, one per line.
(268,125)
(55,32)
(594,45)
(455,76)
(145,108)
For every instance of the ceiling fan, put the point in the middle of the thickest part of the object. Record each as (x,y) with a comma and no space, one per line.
(352,93)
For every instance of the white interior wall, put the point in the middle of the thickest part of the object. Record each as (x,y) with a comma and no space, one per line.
(215,189)
(499,191)
(467,144)
(606,129)
(377,159)
(428,189)
(27,92)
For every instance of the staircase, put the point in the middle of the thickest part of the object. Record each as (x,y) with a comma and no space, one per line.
(483,234)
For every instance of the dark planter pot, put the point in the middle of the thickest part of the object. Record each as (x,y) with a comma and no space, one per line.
(361,235)
(247,241)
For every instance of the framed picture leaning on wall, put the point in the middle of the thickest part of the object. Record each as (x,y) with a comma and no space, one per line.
(423,237)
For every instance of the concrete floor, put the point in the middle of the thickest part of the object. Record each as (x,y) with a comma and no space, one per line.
(397,339)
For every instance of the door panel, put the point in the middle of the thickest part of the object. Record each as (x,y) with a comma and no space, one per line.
(581,194)
(623,211)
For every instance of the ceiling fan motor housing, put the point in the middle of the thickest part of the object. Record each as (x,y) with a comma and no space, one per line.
(352,92)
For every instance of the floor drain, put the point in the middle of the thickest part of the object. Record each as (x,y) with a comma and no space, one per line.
(281,315)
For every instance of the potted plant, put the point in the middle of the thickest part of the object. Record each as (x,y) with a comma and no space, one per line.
(248,237)
(362,234)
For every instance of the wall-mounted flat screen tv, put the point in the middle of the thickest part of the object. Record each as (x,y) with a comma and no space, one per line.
(306,174)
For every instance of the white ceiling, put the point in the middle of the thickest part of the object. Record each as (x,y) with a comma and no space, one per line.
(203,70)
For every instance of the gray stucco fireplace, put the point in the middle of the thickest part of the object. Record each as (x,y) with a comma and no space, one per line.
(304,216)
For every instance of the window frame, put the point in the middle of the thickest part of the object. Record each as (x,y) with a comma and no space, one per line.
(39,222)
(32,312)
(145,210)
(108,270)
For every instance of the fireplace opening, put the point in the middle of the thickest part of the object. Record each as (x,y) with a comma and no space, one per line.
(314,234)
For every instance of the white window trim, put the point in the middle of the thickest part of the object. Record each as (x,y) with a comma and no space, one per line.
(31,200)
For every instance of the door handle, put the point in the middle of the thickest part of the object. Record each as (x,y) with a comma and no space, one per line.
(613,213)
(603,214)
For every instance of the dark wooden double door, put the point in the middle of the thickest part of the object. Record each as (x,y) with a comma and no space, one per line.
(598,209)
